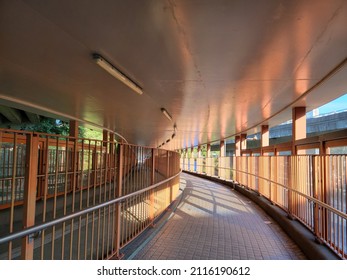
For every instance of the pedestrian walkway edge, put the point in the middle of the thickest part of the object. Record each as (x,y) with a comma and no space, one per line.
(133,248)
(295,230)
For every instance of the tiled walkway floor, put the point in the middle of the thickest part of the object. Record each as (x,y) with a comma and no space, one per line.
(214,222)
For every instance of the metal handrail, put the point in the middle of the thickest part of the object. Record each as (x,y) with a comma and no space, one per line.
(310,198)
(36,228)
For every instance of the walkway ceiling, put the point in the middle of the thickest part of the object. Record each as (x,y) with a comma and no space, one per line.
(218,67)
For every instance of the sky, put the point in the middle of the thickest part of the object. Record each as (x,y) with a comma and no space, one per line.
(338,104)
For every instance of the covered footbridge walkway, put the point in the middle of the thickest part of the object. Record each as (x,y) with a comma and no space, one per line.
(170,86)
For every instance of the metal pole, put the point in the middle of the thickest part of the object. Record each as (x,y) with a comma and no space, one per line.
(30,183)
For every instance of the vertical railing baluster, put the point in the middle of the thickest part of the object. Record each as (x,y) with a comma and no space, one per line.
(13,189)
(81,167)
(65,196)
(118,229)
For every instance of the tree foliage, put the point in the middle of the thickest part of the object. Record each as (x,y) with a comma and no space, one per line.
(52,126)
(48,125)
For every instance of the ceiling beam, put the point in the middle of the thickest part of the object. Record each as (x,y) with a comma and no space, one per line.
(33,118)
(13,115)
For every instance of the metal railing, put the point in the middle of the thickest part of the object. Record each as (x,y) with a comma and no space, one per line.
(311,188)
(68,198)
(37,229)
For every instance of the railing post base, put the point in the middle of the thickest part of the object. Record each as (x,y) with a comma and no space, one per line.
(118,256)
(318,240)
(290,217)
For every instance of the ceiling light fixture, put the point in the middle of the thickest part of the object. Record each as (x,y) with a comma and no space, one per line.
(166,114)
(103,63)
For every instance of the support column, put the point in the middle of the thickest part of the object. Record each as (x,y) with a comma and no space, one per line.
(265,135)
(208,160)
(189,158)
(192,160)
(73,129)
(111,156)
(237,146)
(243,176)
(208,150)
(183,156)
(236,158)
(199,160)
(30,182)
(221,160)
(111,137)
(240,144)
(105,157)
(73,132)
(298,132)
(299,125)
(105,137)
(222,148)
(243,142)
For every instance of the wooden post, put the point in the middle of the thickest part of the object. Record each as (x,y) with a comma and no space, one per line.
(30,185)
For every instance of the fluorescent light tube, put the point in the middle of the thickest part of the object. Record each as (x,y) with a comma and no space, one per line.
(103,63)
(166,113)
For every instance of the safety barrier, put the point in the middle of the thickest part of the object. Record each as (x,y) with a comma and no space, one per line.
(310,188)
(68,198)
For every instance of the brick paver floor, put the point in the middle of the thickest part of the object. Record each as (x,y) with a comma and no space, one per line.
(213,221)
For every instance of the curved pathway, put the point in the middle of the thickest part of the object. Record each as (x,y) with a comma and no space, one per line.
(213,221)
